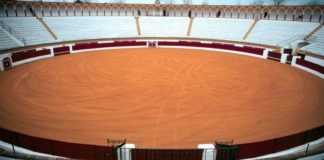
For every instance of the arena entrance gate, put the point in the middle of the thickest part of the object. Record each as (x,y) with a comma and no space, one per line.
(6,63)
(116,152)
(226,151)
(166,154)
(152,44)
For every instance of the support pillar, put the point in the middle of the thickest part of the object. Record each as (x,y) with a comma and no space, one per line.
(283,58)
(265,53)
(209,152)
(124,152)
(52,51)
(294,59)
(71,48)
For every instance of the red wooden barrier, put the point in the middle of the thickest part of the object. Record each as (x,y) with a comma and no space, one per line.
(94,45)
(61,50)
(256,149)
(247,49)
(310,65)
(84,151)
(22,55)
(58,148)
(274,56)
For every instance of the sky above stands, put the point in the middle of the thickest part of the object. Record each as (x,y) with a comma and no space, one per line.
(198,2)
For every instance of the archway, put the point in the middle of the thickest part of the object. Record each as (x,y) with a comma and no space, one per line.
(185,12)
(273,14)
(235,13)
(266,13)
(206,12)
(290,14)
(129,11)
(177,11)
(282,14)
(38,10)
(171,12)
(317,15)
(299,15)
(242,13)
(20,11)
(93,11)
(307,15)
(227,13)
(54,10)
(150,11)
(62,11)
(46,11)
(199,12)
(101,10)
(213,12)
(78,11)
(249,13)
(11,11)
(2,10)
(122,11)
(258,13)
(70,11)
(107,11)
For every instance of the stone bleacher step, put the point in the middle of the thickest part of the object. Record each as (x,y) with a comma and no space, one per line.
(13,38)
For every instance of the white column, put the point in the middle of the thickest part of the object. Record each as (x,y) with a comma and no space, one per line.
(70,48)
(125,152)
(51,50)
(265,53)
(1,65)
(11,60)
(294,59)
(209,152)
(156,44)
(147,44)
(283,58)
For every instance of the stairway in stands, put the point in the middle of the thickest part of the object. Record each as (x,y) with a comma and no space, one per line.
(47,28)
(138,26)
(190,26)
(250,29)
(308,36)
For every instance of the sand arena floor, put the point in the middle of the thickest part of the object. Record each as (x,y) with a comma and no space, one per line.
(161,98)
